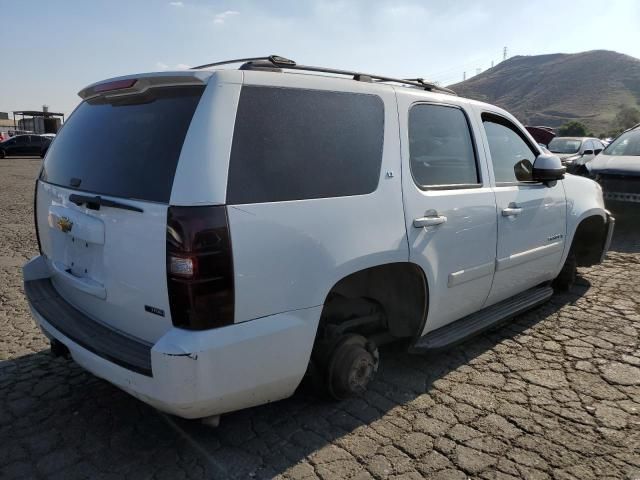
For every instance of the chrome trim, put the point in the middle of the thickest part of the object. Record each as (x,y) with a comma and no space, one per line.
(528,255)
(611,223)
(468,274)
(622,197)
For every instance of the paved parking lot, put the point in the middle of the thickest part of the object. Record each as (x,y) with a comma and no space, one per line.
(553,394)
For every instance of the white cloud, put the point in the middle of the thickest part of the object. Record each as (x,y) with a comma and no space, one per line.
(219,18)
(162,66)
(176,4)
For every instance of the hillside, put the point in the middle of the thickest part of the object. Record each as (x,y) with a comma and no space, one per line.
(552,89)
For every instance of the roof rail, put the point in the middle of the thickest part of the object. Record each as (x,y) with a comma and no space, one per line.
(281,62)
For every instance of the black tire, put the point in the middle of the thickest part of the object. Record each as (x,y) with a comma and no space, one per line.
(3,154)
(567,276)
(351,368)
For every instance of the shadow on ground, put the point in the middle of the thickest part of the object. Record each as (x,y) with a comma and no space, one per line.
(56,418)
(626,238)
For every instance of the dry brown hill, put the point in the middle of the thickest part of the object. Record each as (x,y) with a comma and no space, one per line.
(551,89)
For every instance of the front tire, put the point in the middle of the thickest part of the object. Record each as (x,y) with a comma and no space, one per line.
(567,276)
(3,154)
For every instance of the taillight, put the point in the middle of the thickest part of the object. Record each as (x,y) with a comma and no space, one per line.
(199,267)
(115,85)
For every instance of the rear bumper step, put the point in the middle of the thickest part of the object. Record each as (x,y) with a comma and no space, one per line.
(475,323)
(113,345)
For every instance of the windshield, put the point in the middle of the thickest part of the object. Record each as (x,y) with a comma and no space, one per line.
(127,147)
(626,144)
(564,145)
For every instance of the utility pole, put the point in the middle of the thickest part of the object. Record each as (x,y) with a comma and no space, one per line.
(504,53)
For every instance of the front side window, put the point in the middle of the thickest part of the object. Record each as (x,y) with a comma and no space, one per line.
(293,144)
(441,147)
(597,145)
(511,155)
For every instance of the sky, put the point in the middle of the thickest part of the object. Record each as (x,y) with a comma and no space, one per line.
(52,49)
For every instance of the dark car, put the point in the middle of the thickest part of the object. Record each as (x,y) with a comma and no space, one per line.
(617,168)
(576,152)
(27,145)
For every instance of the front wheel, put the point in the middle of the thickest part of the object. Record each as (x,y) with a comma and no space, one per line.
(567,276)
(2,154)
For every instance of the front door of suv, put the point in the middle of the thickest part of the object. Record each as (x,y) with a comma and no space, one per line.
(531,215)
(450,209)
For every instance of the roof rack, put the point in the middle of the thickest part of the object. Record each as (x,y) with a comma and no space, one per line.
(284,63)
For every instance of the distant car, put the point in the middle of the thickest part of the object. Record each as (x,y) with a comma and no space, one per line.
(576,152)
(542,135)
(617,168)
(26,145)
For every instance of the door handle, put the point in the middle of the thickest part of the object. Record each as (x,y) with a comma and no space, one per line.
(511,211)
(430,221)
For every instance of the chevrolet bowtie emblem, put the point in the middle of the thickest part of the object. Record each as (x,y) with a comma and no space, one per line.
(64,224)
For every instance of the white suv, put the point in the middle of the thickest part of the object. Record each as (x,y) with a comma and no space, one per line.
(208,237)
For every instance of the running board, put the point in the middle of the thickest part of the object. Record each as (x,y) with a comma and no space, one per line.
(475,323)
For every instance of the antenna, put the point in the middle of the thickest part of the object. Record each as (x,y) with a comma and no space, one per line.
(504,53)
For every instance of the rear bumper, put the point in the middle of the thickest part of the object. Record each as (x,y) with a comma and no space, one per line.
(192,374)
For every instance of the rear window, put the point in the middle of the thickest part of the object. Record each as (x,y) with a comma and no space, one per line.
(292,144)
(126,147)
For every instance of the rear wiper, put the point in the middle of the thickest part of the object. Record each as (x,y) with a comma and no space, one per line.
(94,203)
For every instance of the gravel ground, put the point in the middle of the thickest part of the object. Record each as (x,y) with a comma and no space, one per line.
(553,394)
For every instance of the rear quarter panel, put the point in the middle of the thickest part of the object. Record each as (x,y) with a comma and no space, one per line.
(288,255)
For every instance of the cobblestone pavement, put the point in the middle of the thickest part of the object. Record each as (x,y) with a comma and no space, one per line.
(553,394)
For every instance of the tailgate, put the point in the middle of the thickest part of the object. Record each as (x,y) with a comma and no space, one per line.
(102,202)
(108,263)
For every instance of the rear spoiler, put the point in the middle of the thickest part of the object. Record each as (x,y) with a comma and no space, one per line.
(142,82)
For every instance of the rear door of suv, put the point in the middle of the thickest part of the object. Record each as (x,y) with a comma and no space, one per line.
(449,205)
(102,200)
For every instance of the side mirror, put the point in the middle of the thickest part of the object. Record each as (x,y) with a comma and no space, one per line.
(588,152)
(547,168)
(598,151)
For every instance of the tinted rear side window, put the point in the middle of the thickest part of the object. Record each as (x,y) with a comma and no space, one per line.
(441,147)
(126,148)
(292,144)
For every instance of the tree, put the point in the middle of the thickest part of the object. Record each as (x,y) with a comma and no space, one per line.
(627,117)
(572,129)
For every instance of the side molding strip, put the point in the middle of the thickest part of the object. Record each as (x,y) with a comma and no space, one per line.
(528,255)
(468,274)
